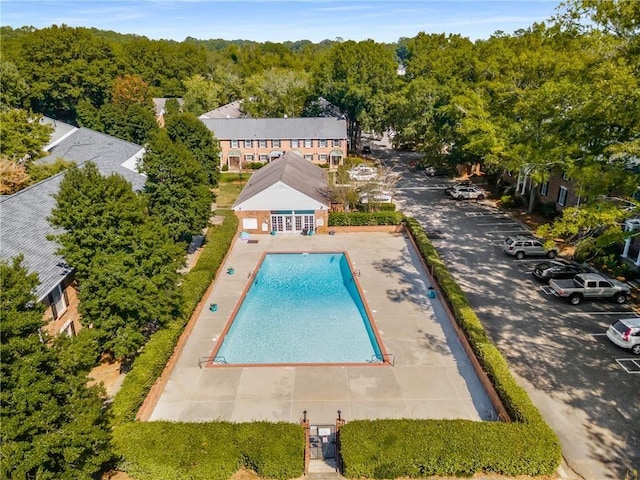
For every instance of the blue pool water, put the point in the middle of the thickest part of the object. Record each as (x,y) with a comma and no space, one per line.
(301,308)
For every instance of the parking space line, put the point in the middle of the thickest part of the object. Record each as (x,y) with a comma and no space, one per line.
(630,365)
(501,224)
(625,312)
(547,290)
(597,334)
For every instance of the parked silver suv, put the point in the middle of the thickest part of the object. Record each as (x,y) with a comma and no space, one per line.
(626,334)
(521,246)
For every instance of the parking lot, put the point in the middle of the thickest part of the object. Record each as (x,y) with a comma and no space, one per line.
(587,388)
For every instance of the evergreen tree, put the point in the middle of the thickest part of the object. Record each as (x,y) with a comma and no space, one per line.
(125,261)
(52,424)
(177,187)
(189,130)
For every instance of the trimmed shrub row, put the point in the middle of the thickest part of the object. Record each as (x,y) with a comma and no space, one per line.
(149,364)
(210,451)
(358,219)
(415,448)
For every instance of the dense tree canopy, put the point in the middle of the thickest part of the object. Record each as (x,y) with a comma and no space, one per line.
(357,77)
(199,140)
(177,187)
(125,261)
(23,136)
(52,424)
(276,93)
(63,65)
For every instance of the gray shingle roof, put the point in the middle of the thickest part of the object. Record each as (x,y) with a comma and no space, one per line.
(23,216)
(276,128)
(230,110)
(292,170)
(109,153)
(159,103)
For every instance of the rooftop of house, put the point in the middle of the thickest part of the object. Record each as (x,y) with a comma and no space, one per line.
(277,128)
(23,215)
(230,110)
(292,170)
(159,103)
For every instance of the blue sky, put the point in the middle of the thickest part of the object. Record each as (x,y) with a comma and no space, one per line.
(281,20)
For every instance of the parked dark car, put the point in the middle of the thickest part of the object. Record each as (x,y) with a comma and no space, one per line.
(562,269)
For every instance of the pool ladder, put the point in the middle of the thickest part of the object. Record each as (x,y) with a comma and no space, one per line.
(386,358)
(219,359)
(356,272)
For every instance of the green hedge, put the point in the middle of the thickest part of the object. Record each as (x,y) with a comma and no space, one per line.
(211,450)
(149,364)
(422,448)
(359,219)
(414,448)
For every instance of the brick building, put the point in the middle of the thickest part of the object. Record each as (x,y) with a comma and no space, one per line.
(319,140)
(290,195)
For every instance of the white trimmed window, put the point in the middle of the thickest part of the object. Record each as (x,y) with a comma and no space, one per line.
(248,157)
(58,301)
(295,143)
(264,158)
(275,143)
(544,188)
(308,143)
(322,143)
(234,143)
(262,143)
(562,196)
(565,176)
(248,144)
(68,328)
(322,157)
(336,143)
(309,157)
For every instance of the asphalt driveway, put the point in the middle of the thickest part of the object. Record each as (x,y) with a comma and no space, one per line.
(587,389)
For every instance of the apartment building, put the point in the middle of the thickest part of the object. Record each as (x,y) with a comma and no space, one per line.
(319,140)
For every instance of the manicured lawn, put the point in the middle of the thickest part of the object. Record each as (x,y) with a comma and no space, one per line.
(229,188)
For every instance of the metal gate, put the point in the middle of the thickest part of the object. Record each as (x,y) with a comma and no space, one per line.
(322,441)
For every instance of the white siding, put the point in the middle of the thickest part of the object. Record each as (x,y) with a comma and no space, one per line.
(280,197)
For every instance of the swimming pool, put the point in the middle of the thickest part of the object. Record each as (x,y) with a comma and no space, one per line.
(301,308)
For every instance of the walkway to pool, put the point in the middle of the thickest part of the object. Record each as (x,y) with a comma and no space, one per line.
(432,376)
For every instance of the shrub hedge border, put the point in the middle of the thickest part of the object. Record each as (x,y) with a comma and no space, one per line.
(359,219)
(200,451)
(373,449)
(415,448)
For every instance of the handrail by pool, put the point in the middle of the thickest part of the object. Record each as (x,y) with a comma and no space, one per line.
(217,359)
(386,358)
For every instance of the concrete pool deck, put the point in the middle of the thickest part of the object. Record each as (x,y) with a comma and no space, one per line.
(432,376)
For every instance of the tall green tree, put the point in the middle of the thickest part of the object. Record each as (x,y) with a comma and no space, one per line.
(199,140)
(22,136)
(14,91)
(98,214)
(53,426)
(125,261)
(357,77)
(164,64)
(276,93)
(63,65)
(201,95)
(177,187)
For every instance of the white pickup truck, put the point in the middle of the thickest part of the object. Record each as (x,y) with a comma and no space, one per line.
(590,285)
